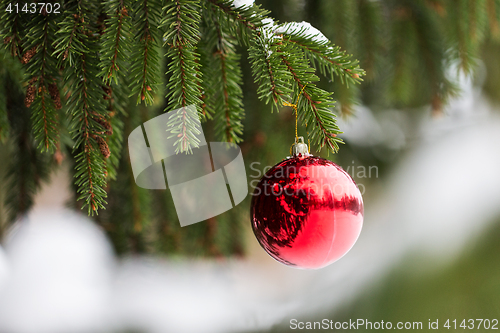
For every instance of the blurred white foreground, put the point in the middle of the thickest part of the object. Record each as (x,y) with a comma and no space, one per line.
(58,273)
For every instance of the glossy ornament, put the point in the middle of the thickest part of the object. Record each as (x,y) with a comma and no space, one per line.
(306,211)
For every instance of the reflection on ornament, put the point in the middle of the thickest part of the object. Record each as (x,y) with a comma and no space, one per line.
(306,211)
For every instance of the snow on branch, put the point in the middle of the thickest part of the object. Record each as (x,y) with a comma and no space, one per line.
(243,3)
(302,28)
(324,55)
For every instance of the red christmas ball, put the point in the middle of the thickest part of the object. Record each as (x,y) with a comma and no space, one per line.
(306,212)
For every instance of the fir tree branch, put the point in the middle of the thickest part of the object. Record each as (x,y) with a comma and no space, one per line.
(236,14)
(316,105)
(294,44)
(90,152)
(182,23)
(468,20)
(85,102)
(229,104)
(341,20)
(42,93)
(231,96)
(269,72)
(27,166)
(145,59)
(115,50)
(115,143)
(205,113)
(206,48)
(67,46)
(370,19)
(243,22)
(116,39)
(325,56)
(116,97)
(12,30)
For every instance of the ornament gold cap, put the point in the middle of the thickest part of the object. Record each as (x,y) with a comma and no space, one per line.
(299,147)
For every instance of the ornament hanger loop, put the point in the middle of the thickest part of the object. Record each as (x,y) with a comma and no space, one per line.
(304,149)
(294,106)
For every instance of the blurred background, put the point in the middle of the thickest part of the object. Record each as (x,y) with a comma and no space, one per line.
(422,136)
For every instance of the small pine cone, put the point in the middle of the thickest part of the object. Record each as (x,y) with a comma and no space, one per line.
(107,92)
(109,129)
(54,94)
(57,104)
(103,146)
(28,55)
(104,123)
(30,95)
